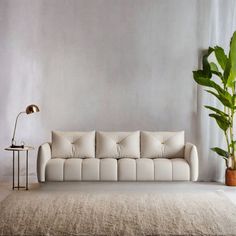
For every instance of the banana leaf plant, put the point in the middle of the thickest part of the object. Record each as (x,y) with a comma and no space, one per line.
(218,75)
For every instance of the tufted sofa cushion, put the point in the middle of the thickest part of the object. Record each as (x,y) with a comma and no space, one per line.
(73,144)
(162,144)
(118,145)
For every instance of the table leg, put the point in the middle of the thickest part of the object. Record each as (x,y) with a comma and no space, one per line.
(18,170)
(27,154)
(13,170)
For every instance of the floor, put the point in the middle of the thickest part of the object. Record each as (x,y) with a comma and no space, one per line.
(230,192)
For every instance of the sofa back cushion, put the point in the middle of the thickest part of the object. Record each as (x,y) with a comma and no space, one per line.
(118,145)
(162,144)
(73,144)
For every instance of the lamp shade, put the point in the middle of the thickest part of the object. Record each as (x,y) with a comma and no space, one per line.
(31,109)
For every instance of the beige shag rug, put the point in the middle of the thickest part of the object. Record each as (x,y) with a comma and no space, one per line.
(76,213)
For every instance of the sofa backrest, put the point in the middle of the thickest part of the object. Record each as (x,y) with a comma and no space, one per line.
(118,145)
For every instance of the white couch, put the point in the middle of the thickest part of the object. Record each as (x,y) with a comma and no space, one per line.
(117,156)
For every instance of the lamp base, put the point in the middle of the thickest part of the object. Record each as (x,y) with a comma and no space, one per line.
(17,146)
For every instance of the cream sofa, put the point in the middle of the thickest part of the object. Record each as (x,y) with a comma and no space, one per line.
(117,156)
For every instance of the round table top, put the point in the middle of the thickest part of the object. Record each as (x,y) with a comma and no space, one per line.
(26,148)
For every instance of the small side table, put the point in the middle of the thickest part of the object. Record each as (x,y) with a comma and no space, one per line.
(26,149)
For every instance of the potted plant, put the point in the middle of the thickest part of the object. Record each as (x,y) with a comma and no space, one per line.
(218,74)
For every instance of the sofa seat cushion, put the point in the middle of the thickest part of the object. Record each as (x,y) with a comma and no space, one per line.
(180,169)
(73,169)
(162,144)
(145,169)
(163,169)
(127,169)
(90,169)
(118,145)
(108,169)
(73,144)
(55,170)
(171,169)
(124,169)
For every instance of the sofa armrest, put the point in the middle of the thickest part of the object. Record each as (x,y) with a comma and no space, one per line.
(191,156)
(44,154)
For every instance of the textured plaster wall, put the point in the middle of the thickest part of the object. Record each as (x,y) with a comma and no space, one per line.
(96,65)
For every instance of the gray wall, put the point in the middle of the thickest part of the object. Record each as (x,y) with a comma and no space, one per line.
(97,65)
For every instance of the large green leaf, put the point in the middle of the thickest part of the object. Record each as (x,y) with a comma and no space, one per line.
(231,81)
(218,74)
(232,55)
(206,66)
(215,70)
(220,56)
(226,73)
(200,78)
(222,98)
(228,96)
(220,152)
(234,99)
(210,50)
(217,111)
(213,67)
(222,122)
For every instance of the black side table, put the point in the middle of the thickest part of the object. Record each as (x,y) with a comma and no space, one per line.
(26,149)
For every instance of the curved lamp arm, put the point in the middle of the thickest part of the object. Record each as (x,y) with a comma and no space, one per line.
(14,133)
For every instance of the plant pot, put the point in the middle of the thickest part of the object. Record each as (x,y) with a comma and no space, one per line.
(230,177)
